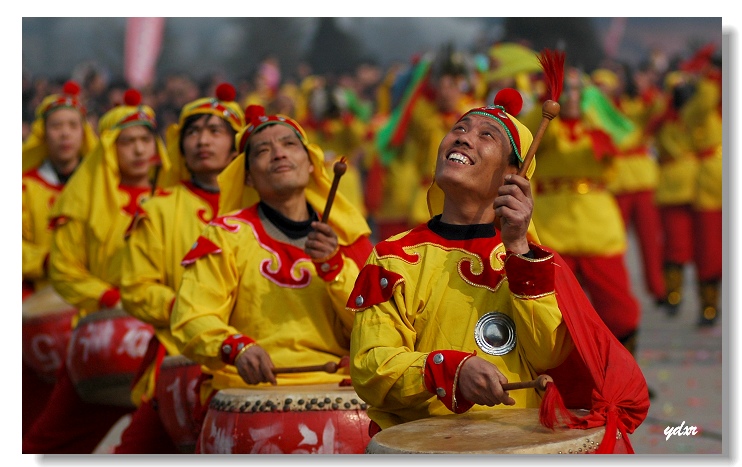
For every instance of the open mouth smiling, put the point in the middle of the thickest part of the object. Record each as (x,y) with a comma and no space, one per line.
(459,158)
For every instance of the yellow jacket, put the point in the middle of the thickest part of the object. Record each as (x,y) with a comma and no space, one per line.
(678,164)
(574,213)
(239,279)
(165,229)
(420,292)
(702,114)
(40,190)
(636,166)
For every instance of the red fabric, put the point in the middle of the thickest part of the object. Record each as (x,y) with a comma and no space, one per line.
(530,278)
(640,213)
(146,434)
(708,251)
(232,345)
(678,230)
(619,398)
(36,393)
(110,298)
(388,229)
(202,247)
(329,270)
(605,279)
(373,187)
(602,144)
(443,375)
(369,289)
(358,251)
(69,425)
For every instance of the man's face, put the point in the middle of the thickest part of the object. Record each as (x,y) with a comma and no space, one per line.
(135,147)
(207,145)
(448,93)
(279,165)
(64,135)
(473,157)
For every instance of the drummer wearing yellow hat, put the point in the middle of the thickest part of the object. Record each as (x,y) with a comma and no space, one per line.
(448,312)
(265,284)
(59,138)
(200,145)
(89,220)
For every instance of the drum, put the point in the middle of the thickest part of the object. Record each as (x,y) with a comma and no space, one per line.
(498,431)
(47,326)
(176,400)
(104,354)
(309,419)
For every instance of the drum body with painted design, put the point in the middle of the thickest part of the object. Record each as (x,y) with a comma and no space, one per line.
(309,419)
(105,352)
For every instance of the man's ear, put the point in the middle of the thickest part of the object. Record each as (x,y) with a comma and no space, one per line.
(248,179)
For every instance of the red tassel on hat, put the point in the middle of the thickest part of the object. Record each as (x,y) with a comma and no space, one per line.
(71,88)
(510,99)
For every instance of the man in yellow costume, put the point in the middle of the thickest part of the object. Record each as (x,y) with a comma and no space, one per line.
(265,284)
(637,170)
(60,136)
(576,215)
(89,221)
(449,311)
(703,115)
(200,146)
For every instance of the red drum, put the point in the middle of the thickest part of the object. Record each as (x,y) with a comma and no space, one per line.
(176,399)
(497,431)
(47,326)
(105,352)
(309,419)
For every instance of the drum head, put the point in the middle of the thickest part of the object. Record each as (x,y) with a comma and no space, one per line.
(44,301)
(497,431)
(288,398)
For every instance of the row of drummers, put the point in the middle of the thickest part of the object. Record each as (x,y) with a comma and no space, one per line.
(102,352)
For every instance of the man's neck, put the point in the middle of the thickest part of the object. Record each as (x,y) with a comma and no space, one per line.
(294,208)
(462,213)
(206,181)
(64,168)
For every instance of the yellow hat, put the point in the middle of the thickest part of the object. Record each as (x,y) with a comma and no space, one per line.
(346,220)
(605,77)
(508,102)
(511,59)
(92,191)
(223,105)
(35,150)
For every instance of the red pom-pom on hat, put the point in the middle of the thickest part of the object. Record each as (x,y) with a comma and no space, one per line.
(253,112)
(510,99)
(226,92)
(71,88)
(132,97)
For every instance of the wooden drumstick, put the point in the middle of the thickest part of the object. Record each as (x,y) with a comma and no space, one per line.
(549,110)
(329,367)
(538,383)
(339,169)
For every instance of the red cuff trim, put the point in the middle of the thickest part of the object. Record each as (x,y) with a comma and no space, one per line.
(232,346)
(441,378)
(328,270)
(374,285)
(109,298)
(172,304)
(530,278)
(202,247)
(57,221)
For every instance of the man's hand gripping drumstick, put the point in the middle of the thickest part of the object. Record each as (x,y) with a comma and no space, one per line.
(322,243)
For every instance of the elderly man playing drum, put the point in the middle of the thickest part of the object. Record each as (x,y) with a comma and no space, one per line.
(450,311)
(265,285)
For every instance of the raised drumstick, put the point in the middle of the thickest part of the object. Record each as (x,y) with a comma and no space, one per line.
(339,169)
(329,367)
(549,110)
(538,383)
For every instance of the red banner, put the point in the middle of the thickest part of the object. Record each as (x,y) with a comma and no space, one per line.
(142,49)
